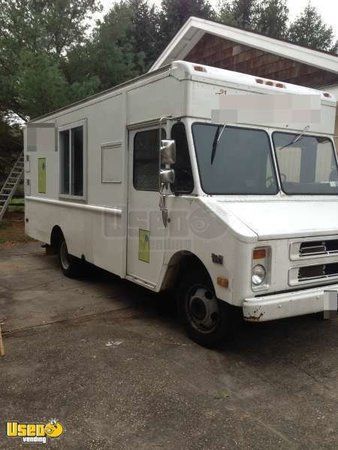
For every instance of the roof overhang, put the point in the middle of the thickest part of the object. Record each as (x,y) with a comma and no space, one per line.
(194,29)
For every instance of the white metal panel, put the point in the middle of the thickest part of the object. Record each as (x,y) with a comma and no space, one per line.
(288,217)
(112,162)
(291,304)
(42,138)
(144,218)
(99,235)
(156,99)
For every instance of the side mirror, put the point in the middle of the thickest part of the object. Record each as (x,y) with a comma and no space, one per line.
(167,176)
(168,152)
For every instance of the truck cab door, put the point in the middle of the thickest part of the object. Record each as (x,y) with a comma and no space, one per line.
(146,232)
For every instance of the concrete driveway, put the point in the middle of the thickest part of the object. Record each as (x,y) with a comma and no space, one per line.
(111,363)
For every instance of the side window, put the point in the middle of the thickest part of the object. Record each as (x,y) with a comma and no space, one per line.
(146,160)
(64,162)
(71,162)
(184,181)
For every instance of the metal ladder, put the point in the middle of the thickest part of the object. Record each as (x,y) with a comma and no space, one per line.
(10,186)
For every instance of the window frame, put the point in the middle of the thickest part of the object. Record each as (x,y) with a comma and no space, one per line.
(295,133)
(68,127)
(186,128)
(144,130)
(271,151)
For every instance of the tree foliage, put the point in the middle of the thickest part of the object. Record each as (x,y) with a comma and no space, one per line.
(239,13)
(41,84)
(51,25)
(272,18)
(112,55)
(35,36)
(174,13)
(310,30)
(10,145)
(145,31)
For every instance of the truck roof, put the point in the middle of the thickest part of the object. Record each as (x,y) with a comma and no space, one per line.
(249,81)
(189,70)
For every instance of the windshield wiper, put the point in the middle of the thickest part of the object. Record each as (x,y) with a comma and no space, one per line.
(296,139)
(217,138)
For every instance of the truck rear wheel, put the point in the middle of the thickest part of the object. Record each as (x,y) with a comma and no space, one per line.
(206,319)
(70,266)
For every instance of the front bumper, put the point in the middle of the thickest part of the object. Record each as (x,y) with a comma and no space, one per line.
(290,304)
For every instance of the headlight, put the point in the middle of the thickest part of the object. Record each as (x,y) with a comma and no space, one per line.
(258,275)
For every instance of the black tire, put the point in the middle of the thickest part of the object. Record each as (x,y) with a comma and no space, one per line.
(206,319)
(70,266)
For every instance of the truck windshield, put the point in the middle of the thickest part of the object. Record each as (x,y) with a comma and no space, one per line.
(241,163)
(307,166)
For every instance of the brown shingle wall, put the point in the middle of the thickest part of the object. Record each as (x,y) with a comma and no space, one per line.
(215,51)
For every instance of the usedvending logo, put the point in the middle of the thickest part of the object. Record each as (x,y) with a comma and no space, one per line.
(35,432)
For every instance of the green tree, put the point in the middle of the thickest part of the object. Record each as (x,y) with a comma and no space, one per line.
(113,58)
(238,13)
(175,13)
(37,32)
(310,30)
(145,21)
(41,85)
(272,18)
(50,25)
(10,145)
(125,42)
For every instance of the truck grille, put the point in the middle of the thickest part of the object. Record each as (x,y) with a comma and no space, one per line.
(316,248)
(318,272)
(321,256)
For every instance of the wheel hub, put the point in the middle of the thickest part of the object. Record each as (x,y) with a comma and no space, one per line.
(203,310)
(198,309)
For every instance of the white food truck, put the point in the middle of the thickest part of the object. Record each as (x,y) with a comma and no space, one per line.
(148,181)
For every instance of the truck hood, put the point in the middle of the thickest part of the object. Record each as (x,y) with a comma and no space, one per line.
(285,218)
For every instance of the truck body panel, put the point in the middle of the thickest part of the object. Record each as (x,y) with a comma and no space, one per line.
(118,227)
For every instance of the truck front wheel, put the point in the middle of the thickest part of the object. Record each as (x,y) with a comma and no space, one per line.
(70,266)
(206,318)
